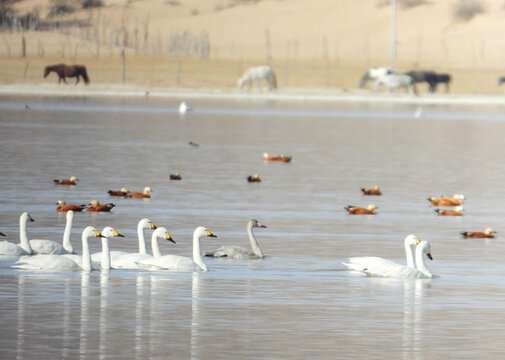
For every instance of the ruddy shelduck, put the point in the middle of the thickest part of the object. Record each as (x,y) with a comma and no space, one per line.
(371,191)
(458,211)
(488,233)
(95,206)
(123,192)
(64,207)
(455,200)
(140,195)
(354,210)
(70,181)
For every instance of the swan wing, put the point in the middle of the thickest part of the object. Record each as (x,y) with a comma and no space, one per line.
(128,261)
(379,267)
(40,246)
(232,252)
(168,262)
(49,262)
(10,249)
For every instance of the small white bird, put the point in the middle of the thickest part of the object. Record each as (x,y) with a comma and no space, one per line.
(184,108)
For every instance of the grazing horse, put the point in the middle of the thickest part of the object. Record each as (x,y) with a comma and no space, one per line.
(256,74)
(428,77)
(64,71)
(374,74)
(395,81)
(500,80)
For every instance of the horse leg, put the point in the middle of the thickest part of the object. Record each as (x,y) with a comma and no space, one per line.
(77,81)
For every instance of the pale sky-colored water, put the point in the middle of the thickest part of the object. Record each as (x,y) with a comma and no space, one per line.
(296,303)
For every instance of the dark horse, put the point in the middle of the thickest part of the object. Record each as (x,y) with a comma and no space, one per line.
(431,78)
(64,71)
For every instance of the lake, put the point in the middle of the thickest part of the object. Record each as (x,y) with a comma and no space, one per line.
(297,303)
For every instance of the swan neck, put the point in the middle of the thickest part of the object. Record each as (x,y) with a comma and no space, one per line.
(86,256)
(254,243)
(23,237)
(154,245)
(105,265)
(421,265)
(197,254)
(410,255)
(66,236)
(142,241)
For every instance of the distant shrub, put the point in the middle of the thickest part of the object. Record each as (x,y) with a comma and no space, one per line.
(405,4)
(88,4)
(61,7)
(173,3)
(467,9)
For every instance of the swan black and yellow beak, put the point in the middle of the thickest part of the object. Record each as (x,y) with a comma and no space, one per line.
(169,238)
(261,225)
(116,234)
(209,234)
(97,234)
(429,256)
(417,240)
(153,227)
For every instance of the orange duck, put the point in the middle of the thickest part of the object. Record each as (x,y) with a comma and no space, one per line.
(371,191)
(95,206)
(455,200)
(278,158)
(140,195)
(458,211)
(488,233)
(354,210)
(63,207)
(122,192)
(70,181)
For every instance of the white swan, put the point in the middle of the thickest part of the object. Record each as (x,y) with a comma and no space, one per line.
(180,263)
(184,108)
(11,249)
(380,267)
(129,261)
(52,247)
(238,252)
(107,232)
(68,262)
(115,254)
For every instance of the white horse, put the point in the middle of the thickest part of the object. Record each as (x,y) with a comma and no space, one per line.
(395,81)
(256,74)
(373,74)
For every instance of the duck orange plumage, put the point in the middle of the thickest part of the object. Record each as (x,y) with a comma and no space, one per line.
(70,181)
(278,158)
(371,191)
(95,206)
(122,192)
(458,211)
(64,207)
(354,210)
(140,195)
(488,233)
(455,200)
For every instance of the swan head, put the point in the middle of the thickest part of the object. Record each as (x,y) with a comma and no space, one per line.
(426,248)
(90,231)
(162,233)
(253,223)
(412,240)
(147,190)
(110,232)
(147,224)
(202,231)
(26,217)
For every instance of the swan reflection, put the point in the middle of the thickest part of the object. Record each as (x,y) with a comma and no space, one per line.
(104,303)
(195,301)
(413,317)
(84,320)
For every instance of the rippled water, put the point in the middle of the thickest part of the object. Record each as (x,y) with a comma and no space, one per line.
(296,303)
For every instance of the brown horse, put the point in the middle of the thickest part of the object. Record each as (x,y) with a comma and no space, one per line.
(64,71)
